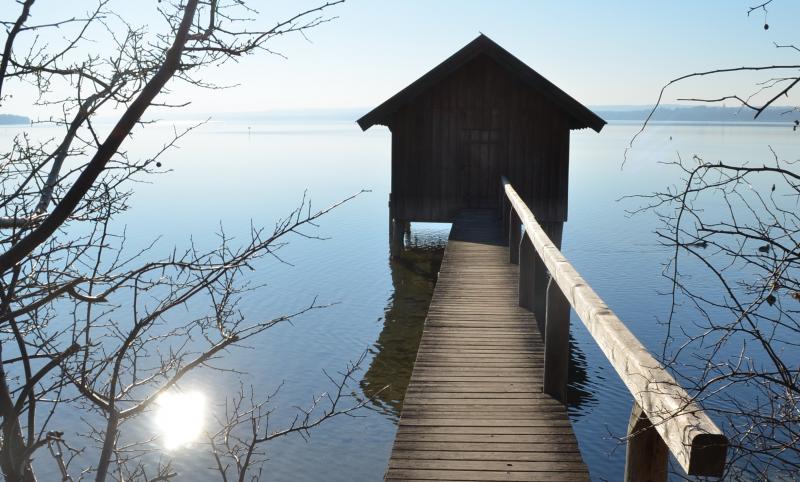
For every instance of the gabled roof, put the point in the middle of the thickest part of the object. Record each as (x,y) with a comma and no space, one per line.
(580,114)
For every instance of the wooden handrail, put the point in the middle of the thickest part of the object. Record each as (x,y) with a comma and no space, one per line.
(694,440)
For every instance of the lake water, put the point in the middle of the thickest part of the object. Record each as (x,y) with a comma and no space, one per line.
(237,173)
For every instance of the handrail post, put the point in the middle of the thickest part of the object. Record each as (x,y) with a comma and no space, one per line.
(646,455)
(527,265)
(556,342)
(505,205)
(505,217)
(541,276)
(502,205)
(514,232)
(539,301)
(556,327)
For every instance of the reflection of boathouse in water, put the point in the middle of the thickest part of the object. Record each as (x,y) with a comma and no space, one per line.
(413,279)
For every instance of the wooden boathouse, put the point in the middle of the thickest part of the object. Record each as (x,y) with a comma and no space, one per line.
(480,114)
(482,141)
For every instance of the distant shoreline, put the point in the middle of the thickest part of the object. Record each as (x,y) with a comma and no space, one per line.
(10,120)
(709,123)
(698,114)
(664,115)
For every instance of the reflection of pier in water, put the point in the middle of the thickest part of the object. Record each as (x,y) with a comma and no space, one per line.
(414,273)
(413,279)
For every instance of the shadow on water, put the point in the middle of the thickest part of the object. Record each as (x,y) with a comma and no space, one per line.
(414,274)
(579,390)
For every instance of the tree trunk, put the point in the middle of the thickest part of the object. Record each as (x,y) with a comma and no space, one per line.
(112,429)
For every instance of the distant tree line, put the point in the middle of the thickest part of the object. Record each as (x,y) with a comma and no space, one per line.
(697,114)
(6,119)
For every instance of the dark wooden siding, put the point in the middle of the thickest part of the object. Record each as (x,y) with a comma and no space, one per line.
(453,142)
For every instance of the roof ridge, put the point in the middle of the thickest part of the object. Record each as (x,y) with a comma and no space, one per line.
(484,44)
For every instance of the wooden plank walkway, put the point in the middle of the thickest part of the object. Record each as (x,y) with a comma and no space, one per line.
(474,408)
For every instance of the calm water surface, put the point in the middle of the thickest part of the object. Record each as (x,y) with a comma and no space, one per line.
(238,173)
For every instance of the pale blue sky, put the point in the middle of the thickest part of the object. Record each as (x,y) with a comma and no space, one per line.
(601,52)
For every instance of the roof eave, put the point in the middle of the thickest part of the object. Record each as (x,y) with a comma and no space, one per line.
(596,123)
(581,114)
(366,121)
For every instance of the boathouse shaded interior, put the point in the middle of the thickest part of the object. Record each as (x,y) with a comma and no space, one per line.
(480,114)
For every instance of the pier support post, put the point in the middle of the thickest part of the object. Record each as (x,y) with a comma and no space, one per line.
(646,455)
(514,232)
(397,236)
(397,231)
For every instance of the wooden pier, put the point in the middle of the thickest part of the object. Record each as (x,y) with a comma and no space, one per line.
(485,400)
(474,409)
(485,397)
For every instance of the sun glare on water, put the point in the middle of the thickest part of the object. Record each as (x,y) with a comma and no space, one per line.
(179,418)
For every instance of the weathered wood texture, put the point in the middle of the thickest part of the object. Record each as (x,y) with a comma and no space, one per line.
(477,124)
(694,440)
(556,343)
(474,409)
(646,454)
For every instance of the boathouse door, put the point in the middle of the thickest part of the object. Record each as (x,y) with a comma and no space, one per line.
(482,167)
